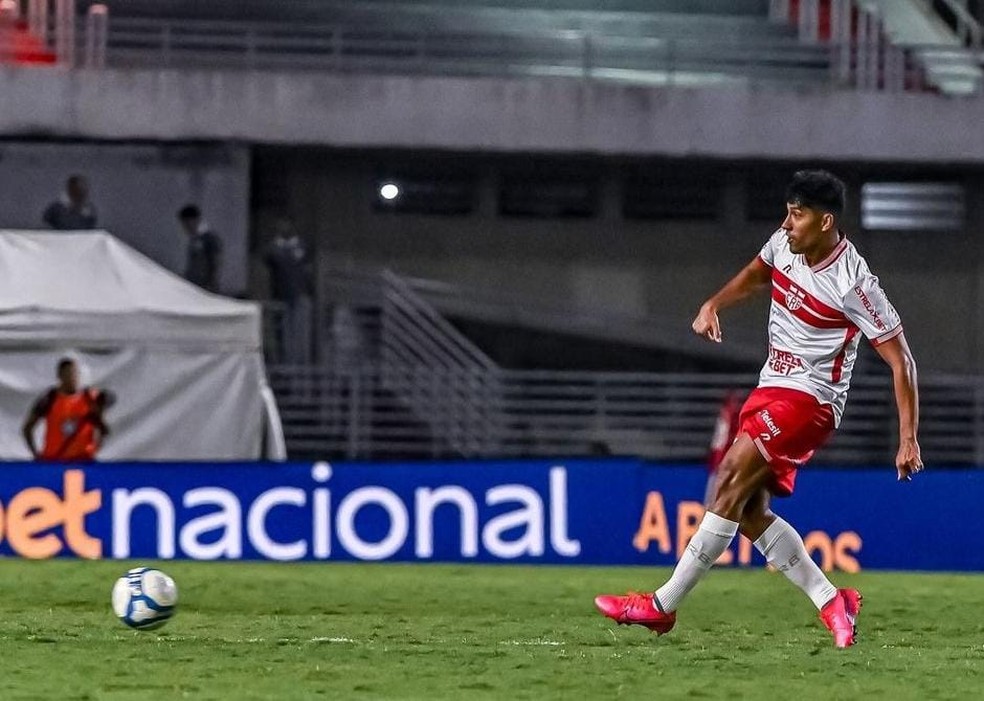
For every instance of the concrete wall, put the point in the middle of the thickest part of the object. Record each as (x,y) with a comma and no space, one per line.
(488,114)
(658,270)
(137,189)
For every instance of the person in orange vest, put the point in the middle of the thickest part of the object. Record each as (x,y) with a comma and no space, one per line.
(73,416)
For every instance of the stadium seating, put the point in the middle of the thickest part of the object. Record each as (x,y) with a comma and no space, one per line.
(18,45)
(668,42)
(320,10)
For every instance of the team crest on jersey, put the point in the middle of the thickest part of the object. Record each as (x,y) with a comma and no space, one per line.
(794,298)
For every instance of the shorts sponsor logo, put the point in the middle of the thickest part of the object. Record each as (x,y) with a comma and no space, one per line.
(769,422)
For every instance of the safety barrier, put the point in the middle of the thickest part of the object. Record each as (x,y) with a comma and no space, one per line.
(556,511)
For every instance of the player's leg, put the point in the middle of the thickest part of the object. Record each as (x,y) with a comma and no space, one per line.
(742,473)
(784,549)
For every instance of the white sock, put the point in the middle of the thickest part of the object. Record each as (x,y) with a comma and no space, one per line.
(783,548)
(712,538)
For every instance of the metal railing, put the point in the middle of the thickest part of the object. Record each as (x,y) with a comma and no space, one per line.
(965,25)
(575,53)
(413,333)
(437,371)
(864,57)
(866,62)
(553,413)
(422,364)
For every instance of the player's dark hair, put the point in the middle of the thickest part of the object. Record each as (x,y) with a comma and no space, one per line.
(189,211)
(817,189)
(64,363)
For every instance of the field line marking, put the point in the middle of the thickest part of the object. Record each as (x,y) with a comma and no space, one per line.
(332,640)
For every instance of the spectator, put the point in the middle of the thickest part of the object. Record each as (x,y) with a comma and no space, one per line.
(73,211)
(289,262)
(204,249)
(73,416)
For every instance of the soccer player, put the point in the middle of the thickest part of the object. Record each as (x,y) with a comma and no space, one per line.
(823,294)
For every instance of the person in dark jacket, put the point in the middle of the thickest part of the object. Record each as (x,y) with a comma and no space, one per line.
(204,261)
(73,211)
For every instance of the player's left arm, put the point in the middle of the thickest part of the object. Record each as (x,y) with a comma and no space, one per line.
(896,353)
(101,400)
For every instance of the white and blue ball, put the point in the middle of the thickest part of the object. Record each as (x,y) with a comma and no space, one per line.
(144,598)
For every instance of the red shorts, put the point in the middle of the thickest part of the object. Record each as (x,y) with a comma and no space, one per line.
(787,426)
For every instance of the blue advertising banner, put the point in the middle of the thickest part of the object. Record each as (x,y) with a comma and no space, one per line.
(608,511)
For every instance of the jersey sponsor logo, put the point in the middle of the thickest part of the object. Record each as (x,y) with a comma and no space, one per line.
(870,308)
(782,362)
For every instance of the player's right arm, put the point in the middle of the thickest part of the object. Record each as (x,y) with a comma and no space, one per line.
(752,278)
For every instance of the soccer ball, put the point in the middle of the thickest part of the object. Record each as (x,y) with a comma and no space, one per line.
(144,598)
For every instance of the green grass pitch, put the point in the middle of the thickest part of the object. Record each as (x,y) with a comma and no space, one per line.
(276,631)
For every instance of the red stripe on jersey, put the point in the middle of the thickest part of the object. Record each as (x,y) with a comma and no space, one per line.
(806,315)
(835,374)
(809,300)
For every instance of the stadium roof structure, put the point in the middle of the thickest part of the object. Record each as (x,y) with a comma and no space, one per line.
(91,289)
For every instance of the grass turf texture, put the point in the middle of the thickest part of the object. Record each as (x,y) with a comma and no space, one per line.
(275,631)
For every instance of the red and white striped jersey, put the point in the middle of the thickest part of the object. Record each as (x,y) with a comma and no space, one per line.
(815,317)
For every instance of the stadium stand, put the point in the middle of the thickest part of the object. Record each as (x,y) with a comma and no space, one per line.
(415,359)
(887,46)
(707,42)
(326,10)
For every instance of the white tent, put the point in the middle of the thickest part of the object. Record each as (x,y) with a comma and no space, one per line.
(185,364)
